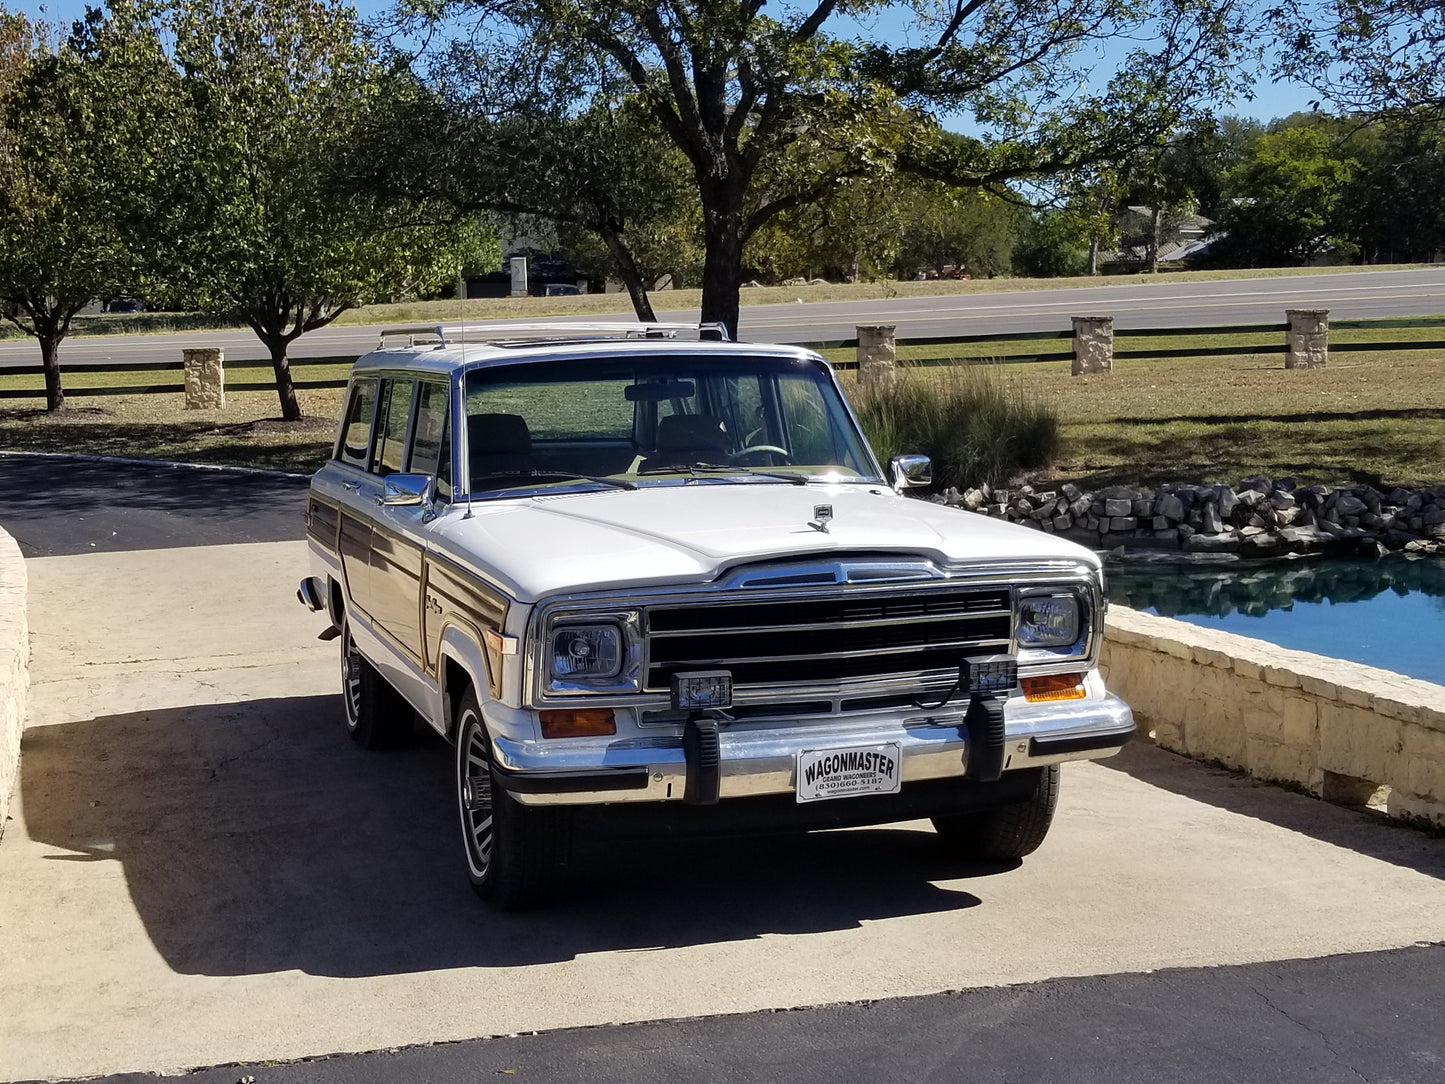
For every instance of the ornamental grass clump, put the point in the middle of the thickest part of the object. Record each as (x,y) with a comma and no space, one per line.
(975,426)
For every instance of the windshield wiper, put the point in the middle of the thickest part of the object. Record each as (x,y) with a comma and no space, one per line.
(722,468)
(560,474)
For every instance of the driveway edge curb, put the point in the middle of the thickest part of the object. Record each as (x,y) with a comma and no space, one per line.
(14,666)
(259,472)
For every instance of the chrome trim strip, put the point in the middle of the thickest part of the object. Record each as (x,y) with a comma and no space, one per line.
(862,653)
(869,624)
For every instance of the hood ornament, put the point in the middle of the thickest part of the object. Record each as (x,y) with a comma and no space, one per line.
(822,514)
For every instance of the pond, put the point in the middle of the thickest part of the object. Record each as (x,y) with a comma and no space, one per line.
(1388,613)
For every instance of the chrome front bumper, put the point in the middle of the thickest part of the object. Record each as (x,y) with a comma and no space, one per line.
(760,758)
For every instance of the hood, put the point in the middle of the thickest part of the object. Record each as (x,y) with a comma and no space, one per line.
(689,534)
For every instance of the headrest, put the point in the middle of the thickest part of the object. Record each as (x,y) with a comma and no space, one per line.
(691,432)
(498,434)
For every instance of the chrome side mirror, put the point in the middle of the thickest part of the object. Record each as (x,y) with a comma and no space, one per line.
(401,490)
(909,471)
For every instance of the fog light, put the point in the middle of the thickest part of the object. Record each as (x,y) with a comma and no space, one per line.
(578,723)
(1054,687)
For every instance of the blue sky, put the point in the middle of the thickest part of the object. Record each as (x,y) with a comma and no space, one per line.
(1269,100)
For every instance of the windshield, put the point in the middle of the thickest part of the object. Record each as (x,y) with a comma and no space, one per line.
(658,421)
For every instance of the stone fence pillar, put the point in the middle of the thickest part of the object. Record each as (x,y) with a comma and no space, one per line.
(1093,345)
(1307,345)
(877,355)
(205,378)
(518,267)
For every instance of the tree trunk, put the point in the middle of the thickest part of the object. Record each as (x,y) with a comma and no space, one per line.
(285,389)
(1153,262)
(722,267)
(50,360)
(1093,256)
(627,270)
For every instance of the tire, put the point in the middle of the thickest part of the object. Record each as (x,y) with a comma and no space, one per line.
(516,855)
(376,715)
(1007,832)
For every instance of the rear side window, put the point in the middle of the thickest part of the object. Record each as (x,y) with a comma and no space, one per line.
(394,418)
(356,435)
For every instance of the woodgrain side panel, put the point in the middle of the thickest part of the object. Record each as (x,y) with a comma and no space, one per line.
(453,596)
(396,569)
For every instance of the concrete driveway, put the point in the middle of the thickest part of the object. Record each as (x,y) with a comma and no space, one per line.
(201,868)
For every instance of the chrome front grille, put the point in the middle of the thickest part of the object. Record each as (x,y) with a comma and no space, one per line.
(854,636)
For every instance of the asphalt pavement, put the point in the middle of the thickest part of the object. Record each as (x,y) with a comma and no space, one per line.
(1370,1017)
(1165,303)
(53,506)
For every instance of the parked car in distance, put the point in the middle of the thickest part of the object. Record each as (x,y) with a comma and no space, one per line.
(639,574)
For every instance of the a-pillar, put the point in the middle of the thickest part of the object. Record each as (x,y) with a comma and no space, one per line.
(1308,344)
(877,355)
(1093,345)
(205,378)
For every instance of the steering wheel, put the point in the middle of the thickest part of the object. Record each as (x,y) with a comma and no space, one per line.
(770,448)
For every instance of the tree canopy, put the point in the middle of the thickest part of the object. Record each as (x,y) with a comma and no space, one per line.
(772,111)
(276,94)
(83,138)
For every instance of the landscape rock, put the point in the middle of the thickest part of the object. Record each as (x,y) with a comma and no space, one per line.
(1261,518)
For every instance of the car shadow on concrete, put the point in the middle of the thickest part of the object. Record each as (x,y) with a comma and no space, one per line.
(1363,831)
(256,838)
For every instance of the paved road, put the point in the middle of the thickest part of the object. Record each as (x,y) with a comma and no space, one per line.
(54,507)
(1166,303)
(201,870)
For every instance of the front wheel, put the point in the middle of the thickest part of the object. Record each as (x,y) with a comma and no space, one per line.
(1006,832)
(516,855)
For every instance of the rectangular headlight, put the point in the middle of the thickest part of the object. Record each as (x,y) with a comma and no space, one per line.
(586,651)
(1049,620)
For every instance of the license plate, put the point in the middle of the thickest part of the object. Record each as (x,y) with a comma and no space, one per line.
(848,773)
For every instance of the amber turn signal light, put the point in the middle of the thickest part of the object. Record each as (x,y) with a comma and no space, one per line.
(1053,687)
(578,723)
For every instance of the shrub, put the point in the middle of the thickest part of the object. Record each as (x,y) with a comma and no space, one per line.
(975,427)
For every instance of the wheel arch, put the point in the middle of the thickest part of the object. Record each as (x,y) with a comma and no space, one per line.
(461,664)
(335,601)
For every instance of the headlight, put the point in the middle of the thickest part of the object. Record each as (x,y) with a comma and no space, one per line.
(587,651)
(1048,620)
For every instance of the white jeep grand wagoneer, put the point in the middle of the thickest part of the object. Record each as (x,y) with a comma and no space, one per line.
(662,579)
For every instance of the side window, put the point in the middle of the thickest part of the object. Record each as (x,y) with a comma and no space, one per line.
(427,442)
(392,422)
(355,446)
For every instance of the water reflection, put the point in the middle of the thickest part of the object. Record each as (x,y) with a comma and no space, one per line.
(1388,613)
(1254,588)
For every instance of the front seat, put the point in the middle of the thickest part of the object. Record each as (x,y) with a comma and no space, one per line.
(691,438)
(497,444)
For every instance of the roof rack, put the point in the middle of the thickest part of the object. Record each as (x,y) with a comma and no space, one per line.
(420,331)
(557,330)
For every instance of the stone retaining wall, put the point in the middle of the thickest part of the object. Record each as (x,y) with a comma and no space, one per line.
(1344,731)
(1261,517)
(14,666)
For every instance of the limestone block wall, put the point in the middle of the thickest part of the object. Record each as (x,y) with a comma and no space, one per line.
(1344,731)
(14,666)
